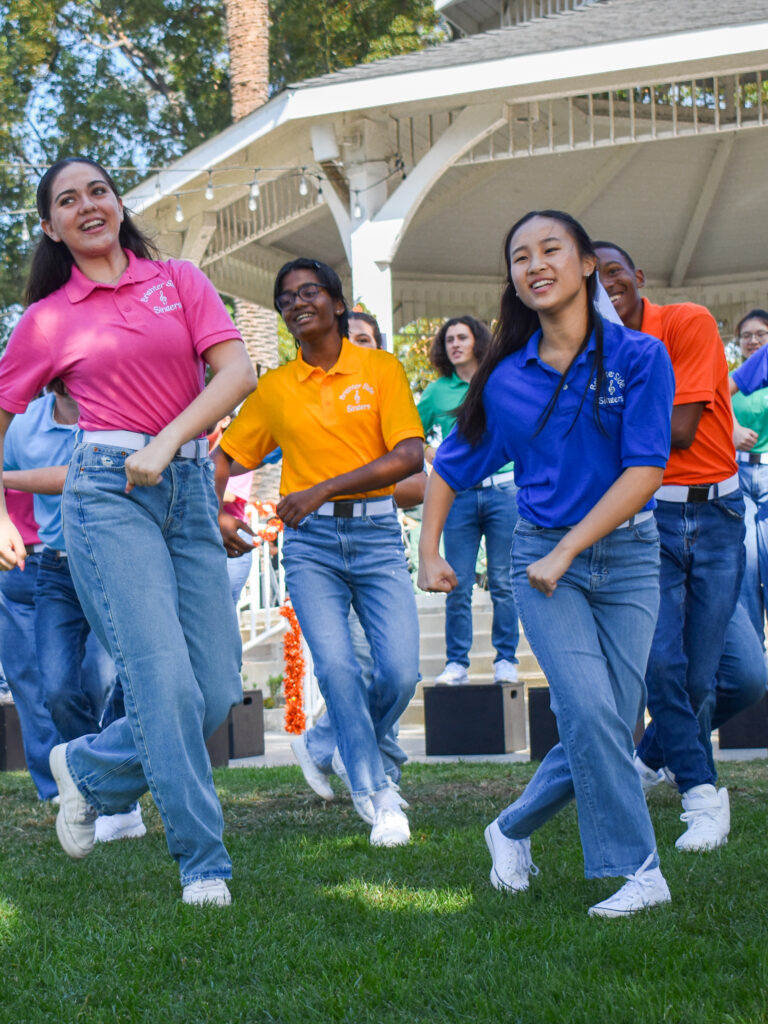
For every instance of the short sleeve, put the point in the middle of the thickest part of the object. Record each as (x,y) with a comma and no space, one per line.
(248,438)
(463,465)
(698,355)
(27,365)
(207,318)
(426,408)
(399,416)
(753,373)
(648,398)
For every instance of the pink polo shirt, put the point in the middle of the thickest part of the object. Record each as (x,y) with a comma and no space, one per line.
(129,353)
(21,510)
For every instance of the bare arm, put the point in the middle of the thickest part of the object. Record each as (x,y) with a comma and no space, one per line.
(434,572)
(12,548)
(224,467)
(410,492)
(406,458)
(234,378)
(625,497)
(48,480)
(685,423)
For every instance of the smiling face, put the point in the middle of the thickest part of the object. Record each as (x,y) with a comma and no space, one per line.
(310,320)
(623,283)
(546,268)
(85,214)
(753,334)
(460,347)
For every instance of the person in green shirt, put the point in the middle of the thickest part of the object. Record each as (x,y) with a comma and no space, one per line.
(488,510)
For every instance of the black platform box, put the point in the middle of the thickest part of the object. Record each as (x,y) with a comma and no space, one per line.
(748,729)
(246,726)
(11,747)
(477,718)
(542,724)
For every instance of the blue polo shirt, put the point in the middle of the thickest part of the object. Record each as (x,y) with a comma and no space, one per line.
(35,440)
(563,470)
(753,373)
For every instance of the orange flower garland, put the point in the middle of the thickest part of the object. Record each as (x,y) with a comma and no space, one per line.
(293,677)
(274,524)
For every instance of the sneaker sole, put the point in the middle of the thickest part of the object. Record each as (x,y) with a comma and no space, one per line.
(323,790)
(391,840)
(496,881)
(703,848)
(598,911)
(135,832)
(69,844)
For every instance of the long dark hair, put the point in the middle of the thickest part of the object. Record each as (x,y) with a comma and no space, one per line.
(437,353)
(326,276)
(517,324)
(52,262)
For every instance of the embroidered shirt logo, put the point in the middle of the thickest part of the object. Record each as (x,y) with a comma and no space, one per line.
(355,396)
(613,388)
(157,295)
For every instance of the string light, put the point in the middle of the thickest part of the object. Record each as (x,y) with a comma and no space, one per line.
(357,213)
(320,196)
(253,202)
(24,230)
(179,211)
(209,187)
(303,186)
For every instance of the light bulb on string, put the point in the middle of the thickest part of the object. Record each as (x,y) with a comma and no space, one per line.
(209,187)
(303,186)
(179,211)
(253,202)
(358,210)
(320,196)
(24,230)
(254,187)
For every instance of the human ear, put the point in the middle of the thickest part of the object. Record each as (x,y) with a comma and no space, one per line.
(49,230)
(640,278)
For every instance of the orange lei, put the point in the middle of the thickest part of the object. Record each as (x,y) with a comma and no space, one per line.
(273,525)
(293,677)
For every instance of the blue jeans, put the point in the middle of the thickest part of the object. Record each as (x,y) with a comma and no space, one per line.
(591,638)
(150,571)
(492,512)
(754,586)
(742,675)
(76,684)
(17,646)
(238,571)
(702,563)
(321,738)
(332,564)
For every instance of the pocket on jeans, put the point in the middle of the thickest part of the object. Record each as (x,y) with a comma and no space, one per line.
(732,508)
(646,532)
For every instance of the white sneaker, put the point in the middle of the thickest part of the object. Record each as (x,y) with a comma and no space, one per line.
(362,804)
(707,813)
(646,888)
(76,820)
(129,825)
(649,777)
(213,891)
(453,675)
(504,671)
(390,828)
(315,778)
(512,864)
(404,805)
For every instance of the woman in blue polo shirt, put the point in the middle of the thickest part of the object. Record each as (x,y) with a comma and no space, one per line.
(582,406)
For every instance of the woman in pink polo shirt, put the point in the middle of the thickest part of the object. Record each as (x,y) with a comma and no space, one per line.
(131,335)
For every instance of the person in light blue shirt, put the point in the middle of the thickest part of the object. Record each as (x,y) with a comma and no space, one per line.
(582,406)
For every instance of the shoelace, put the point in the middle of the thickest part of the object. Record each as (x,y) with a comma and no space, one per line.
(639,880)
(519,861)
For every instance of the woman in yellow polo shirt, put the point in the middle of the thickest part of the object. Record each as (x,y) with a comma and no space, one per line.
(349,430)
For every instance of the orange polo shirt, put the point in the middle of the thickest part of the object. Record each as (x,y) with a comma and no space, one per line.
(691,337)
(327,423)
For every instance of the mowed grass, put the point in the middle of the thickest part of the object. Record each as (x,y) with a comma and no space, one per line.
(325,928)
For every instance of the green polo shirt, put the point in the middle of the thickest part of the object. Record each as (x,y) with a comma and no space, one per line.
(436,409)
(752,412)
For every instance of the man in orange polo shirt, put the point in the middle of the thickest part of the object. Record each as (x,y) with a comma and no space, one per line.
(700,517)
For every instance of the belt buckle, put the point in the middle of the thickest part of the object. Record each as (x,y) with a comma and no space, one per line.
(699,493)
(344,509)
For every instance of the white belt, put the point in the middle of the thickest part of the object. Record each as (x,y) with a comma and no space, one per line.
(753,458)
(132,440)
(640,517)
(698,492)
(34,549)
(496,479)
(351,509)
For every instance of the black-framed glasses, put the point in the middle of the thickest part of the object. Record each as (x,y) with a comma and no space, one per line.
(305,292)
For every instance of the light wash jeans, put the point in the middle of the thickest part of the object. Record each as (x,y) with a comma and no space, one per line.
(238,571)
(150,571)
(591,638)
(331,564)
(490,512)
(78,675)
(321,738)
(702,563)
(17,643)
(754,586)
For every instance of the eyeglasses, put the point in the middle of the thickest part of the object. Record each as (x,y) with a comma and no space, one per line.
(305,292)
(760,336)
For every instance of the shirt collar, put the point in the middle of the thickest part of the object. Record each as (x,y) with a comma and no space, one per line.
(79,287)
(349,361)
(531,351)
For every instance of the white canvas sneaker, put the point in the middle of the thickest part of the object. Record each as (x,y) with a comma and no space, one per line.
(649,777)
(76,820)
(211,891)
(362,804)
(707,813)
(315,778)
(453,675)
(512,864)
(129,825)
(504,671)
(390,828)
(646,888)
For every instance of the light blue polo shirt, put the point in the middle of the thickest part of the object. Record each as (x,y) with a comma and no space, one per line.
(564,469)
(35,440)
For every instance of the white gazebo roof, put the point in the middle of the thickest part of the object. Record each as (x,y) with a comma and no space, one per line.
(645,119)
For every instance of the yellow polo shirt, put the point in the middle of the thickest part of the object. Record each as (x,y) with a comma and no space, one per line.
(327,423)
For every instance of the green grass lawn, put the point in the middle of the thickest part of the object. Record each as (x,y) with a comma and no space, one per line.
(325,928)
